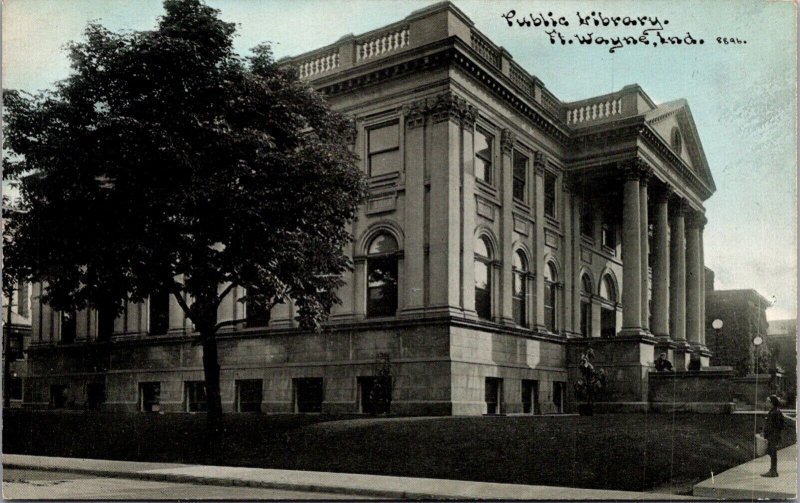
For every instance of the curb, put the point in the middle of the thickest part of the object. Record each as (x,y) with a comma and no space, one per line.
(228,482)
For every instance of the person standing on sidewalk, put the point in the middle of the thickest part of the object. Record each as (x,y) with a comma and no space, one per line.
(773,425)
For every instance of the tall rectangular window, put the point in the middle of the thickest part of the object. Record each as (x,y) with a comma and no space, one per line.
(248,395)
(530,397)
(520,176)
(587,221)
(550,194)
(309,394)
(159,312)
(493,388)
(608,322)
(195,398)
(483,156)
(68,327)
(257,313)
(150,396)
(384,149)
(105,323)
(609,236)
(586,318)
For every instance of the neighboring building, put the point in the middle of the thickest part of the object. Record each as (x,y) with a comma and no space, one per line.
(782,337)
(16,337)
(744,317)
(488,256)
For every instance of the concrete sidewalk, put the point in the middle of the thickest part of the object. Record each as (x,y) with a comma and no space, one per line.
(745,482)
(376,486)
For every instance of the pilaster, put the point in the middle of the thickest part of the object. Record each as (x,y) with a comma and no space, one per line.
(507,139)
(539,163)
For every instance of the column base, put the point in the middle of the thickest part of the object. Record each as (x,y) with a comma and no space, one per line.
(635,332)
(683,355)
(665,345)
(702,353)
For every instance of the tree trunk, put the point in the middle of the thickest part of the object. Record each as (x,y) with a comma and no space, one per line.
(214,401)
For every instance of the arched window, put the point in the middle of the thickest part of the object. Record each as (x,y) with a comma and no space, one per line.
(520,268)
(382,276)
(608,312)
(550,280)
(586,306)
(483,279)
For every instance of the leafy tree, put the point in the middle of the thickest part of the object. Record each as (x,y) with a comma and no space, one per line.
(166,162)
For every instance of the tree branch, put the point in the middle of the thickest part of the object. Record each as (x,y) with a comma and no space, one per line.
(176,292)
(225,293)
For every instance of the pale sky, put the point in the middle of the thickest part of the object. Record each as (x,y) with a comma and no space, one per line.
(742,96)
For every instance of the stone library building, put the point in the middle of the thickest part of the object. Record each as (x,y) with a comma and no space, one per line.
(505,233)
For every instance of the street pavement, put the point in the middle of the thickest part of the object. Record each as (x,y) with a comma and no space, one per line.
(323,484)
(744,482)
(44,485)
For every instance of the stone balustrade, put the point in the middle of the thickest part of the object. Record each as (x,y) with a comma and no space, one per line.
(485,48)
(590,112)
(319,64)
(382,43)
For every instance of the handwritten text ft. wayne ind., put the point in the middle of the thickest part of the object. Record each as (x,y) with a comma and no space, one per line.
(652,34)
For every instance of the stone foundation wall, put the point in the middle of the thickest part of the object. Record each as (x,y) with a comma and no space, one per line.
(706,390)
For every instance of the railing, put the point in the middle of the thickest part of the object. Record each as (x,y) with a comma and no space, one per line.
(485,49)
(519,78)
(552,104)
(595,111)
(319,64)
(382,44)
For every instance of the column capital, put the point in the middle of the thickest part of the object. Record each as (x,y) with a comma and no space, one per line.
(636,169)
(696,220)
(350,131)
(678,207)
(663,194)
(571,184)
(507,140)
(442,107)
(415,113)
(539,162)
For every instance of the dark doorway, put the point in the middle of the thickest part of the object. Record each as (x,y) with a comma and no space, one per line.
(558,396)
(376,394)
(309,394)
(95,395)
(530,397)
(494,394)
(58,396)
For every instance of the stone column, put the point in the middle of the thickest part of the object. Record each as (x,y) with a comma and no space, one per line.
(575,245)
(677,280)
(468,213)
(446,211)
(507,139)
(571,277)
(414,228)
(693,284)
(631,251)
(661,267)
(539,162)
(644,244)
(702,284)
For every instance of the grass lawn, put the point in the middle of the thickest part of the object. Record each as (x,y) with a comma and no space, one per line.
(637,452)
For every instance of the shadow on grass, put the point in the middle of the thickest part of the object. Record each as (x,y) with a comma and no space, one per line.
(636,452)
